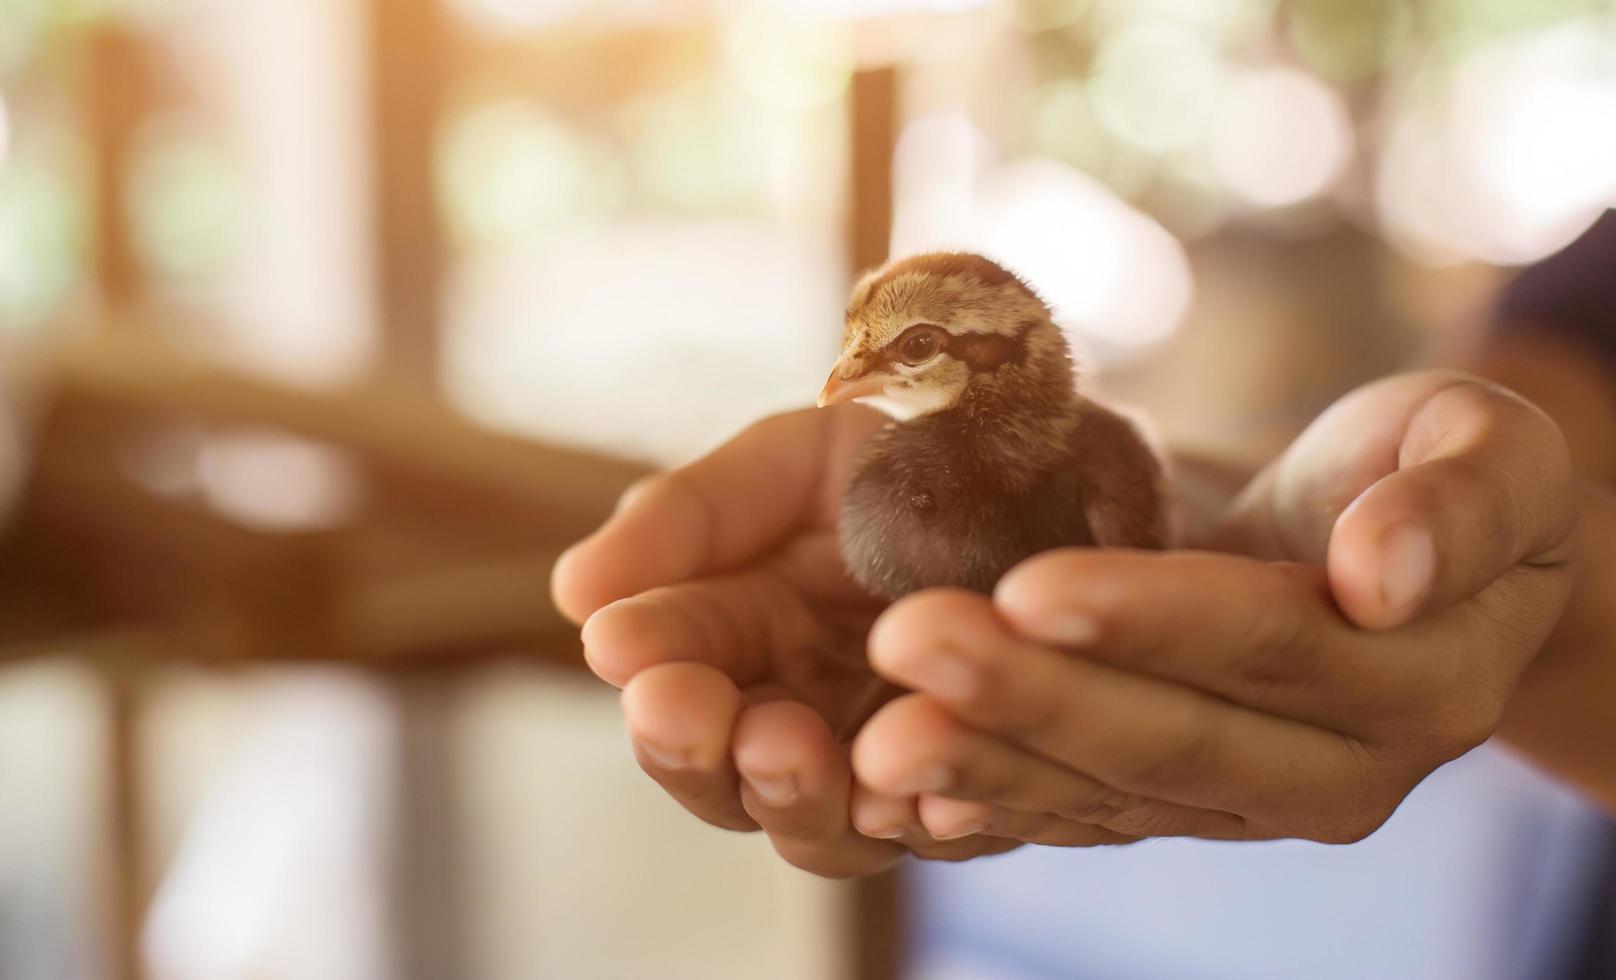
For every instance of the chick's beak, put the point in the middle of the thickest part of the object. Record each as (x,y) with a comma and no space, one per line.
(848,380)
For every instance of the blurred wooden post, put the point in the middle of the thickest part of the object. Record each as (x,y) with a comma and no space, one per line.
(125,813)
(874,120)
(408,61)
(119,93)
(876,922)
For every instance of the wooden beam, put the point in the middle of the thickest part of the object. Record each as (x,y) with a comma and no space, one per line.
(394,426)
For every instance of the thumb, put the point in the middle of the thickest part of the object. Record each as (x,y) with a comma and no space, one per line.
(1483,483)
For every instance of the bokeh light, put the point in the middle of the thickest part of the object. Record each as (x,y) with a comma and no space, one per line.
(1549,150)
(1112,273)
(5,131)
(496,15)
(1218,20)
(186,199)
(1061,122)
(1507,155)
(42,239)
(1155,84)
(789,63)
(278,483)
(1047,15)
(696,148)
(877,8)
(1116,278)
(939,163)
(1349,40)
(1281,136)
(511,171)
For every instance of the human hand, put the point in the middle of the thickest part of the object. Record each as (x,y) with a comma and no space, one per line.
(1399,567)
(716,599)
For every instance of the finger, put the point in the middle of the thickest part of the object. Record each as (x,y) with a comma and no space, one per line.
(966,848)
(897,819)
(913,746)
(680,719)
(1261,634)
(1484,483)
(885,817)
(797,786)
(949,819)
(1289,509)
(732,623)
(735,504)
(1137,734)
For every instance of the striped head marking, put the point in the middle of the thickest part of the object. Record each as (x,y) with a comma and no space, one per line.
(923,330)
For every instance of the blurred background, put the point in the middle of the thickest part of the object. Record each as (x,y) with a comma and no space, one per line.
(325,324)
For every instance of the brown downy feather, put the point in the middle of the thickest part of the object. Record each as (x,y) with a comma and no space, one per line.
(994,456)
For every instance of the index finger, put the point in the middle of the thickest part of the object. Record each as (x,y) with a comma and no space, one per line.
(734,504)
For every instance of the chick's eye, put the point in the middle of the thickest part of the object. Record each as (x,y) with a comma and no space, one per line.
(919,346)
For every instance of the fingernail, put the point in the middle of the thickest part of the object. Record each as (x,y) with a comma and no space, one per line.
(1069,628)
(963,831)
(665,757)
(775,790)
(1407,563)
(632,493)
(885,833)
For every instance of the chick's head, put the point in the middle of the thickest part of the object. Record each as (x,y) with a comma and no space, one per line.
(930,332)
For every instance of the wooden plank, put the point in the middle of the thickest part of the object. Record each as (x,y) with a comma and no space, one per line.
(393,426)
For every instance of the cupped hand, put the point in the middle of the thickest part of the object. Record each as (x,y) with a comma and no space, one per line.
(1385,584)
(716,599)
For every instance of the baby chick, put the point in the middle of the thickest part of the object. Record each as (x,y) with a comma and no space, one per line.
(993,455)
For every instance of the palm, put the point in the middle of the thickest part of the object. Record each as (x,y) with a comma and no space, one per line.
(746,567)
(1403,452)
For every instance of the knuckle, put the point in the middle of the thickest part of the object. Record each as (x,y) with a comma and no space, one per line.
(1148,819)
(1185,759)
(981,782)
(1101,806)
(1023,826)
(1280,646)
(999,698)
(1018,697)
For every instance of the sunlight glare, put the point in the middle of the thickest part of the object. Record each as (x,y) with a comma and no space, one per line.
(1282,136)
